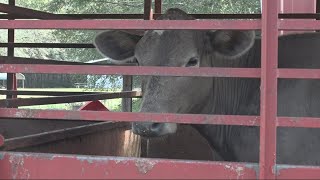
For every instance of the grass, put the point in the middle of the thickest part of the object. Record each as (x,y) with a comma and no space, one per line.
(111,104)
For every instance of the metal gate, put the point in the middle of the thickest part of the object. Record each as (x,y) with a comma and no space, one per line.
(33,165)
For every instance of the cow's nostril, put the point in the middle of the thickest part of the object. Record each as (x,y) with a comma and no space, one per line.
(156,126)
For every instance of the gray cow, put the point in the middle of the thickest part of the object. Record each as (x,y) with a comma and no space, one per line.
(229,96)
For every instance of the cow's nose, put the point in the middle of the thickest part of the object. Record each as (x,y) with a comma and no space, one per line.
(156,127)
(147,129)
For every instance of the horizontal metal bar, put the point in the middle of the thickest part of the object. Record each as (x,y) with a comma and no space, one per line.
(28,12)
(44,93)
(54,166)
(19,60)
(299,73)
(47,45)
(156,15)
(66,99)
(60,134)
(128,116)
(131,70)
(298,172)
(298,24)
(307,122)
(130,24)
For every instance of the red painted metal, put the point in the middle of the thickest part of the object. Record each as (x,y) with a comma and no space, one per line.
(128,116)
(127,70)
(297,6)
(298,172)
(93,106)
(268,108)
(299,73)
(130,24)
(1,140)
(42,166)
(298,24)
(307,122)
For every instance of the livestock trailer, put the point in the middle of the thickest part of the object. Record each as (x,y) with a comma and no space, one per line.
(21,158)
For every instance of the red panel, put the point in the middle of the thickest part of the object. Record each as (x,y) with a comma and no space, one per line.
(43,166)
(298,172)
(129,70)
(93,106)
(299,73)
(298,24)
(130,24)
(297,6)
(308,122)
(268,108)
(128,116)
(1,140)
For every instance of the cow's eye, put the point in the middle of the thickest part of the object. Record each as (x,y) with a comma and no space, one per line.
(192,62)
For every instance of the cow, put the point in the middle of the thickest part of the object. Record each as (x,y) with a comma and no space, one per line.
(222,95)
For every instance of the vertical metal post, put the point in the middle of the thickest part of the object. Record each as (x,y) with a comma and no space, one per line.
(318,9)
(148,15)
(158,6)
(127,86)
(268,109)
(147,10)
(11,77)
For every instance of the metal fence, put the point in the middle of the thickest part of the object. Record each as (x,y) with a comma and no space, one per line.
(32,165)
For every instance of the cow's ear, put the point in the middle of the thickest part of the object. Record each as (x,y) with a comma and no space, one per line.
(231,43)
(117,45)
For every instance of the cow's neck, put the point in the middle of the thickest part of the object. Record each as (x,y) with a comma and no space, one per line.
(232,96)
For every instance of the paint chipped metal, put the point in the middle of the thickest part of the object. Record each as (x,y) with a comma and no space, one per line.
(144,165)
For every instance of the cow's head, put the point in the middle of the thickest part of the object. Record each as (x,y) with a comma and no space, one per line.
(174,48)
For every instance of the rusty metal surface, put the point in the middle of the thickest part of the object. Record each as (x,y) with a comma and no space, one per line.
(128,116)
(130,24)
(268,98)
(131,70)
(55,135)
(297,172)
(66,99)
(31,166)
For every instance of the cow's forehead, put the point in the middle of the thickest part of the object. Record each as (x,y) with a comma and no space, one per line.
(166,47)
